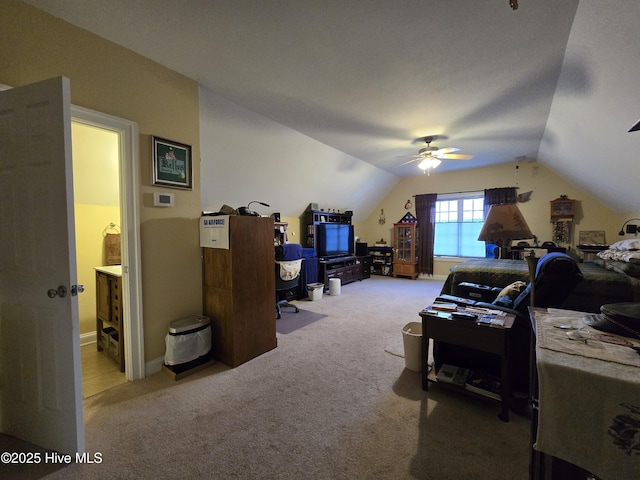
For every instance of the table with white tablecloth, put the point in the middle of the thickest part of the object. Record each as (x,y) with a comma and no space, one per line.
(588,396)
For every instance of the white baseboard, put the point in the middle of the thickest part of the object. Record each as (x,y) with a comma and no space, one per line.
(153,366)
(87,338)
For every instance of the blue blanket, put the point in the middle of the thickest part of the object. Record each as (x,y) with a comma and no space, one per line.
(289,251)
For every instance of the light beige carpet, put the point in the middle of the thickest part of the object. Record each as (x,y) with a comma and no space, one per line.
(327,403)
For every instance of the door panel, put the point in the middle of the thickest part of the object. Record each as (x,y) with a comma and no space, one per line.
(40,381)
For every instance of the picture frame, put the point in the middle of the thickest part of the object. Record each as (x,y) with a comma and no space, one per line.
(591,237)
(171,164)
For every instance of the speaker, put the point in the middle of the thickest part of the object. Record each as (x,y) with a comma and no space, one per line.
(313,207)
(276,216)
(361,249)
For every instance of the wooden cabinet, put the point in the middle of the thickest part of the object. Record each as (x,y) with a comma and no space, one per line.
(347,269)
(109,320)
(405,243)
(240,292)
(562,216)
(365,265)
(311,218)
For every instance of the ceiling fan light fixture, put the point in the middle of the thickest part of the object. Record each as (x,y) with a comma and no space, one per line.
(429,163)
(426,151)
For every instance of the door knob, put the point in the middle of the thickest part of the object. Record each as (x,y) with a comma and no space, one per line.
(76,289)
(61,292)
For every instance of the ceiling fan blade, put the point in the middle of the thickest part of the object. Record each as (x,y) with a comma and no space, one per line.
(442,151)
(455,156)
(408,162)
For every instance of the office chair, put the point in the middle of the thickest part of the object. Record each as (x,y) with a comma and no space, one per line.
(287,271)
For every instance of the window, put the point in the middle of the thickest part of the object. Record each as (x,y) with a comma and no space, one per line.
(459,219)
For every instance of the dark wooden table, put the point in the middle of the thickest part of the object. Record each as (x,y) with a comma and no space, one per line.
(486,338)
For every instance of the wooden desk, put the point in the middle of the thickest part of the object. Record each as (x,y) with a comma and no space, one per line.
(486,338)
(583,396)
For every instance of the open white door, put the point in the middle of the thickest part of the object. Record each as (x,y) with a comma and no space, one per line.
(40,378)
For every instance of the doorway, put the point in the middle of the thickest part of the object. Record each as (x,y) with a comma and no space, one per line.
(106,194)
(96,198)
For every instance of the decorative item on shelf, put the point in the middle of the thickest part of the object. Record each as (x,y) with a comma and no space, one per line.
(408,218)
(629,228)
(504,223)
(562,213)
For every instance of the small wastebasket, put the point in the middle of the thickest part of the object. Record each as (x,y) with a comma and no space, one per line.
(334,286)
(412,340)
(187,340)
(315,290)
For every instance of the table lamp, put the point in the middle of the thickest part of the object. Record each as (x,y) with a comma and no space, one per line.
(504,223)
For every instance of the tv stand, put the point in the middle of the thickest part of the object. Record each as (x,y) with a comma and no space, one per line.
(348,269)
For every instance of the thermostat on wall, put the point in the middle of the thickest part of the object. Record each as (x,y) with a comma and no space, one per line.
(163,199)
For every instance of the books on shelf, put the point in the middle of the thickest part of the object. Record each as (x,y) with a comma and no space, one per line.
(484,384)
(452,374)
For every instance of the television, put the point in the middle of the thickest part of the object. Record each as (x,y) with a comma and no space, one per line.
(334,240)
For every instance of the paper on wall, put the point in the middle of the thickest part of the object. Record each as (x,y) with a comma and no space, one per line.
(214,231)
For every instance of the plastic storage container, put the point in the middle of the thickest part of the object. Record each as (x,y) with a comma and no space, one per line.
(412,340)
(188,339)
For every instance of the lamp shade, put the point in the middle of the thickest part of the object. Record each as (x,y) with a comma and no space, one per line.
(503,224)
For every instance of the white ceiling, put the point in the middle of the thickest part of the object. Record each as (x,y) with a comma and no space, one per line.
(553,80)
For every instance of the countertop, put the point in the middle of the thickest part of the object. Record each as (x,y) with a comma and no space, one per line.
(115,270)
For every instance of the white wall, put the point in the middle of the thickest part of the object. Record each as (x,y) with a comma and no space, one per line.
(246,157)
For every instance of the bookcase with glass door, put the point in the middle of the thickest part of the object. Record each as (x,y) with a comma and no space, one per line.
(405,247)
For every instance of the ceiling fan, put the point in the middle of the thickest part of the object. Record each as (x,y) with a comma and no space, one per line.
(430,157)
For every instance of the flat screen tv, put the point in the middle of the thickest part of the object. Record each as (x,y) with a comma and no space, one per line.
(334,240)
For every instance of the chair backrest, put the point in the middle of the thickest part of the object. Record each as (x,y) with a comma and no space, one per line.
(557,274)
(289,251)
(491,250)
(287,265)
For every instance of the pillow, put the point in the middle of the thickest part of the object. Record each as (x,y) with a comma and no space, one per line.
(509,293)
(630,256)
(628,244)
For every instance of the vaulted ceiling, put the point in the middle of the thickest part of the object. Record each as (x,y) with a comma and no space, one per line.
(553,81)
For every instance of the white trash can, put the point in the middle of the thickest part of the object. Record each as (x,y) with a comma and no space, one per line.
(187,340)
(412,340)
(315,291)
(334,286)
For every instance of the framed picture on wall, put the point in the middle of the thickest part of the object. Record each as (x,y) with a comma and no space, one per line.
(171,164)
